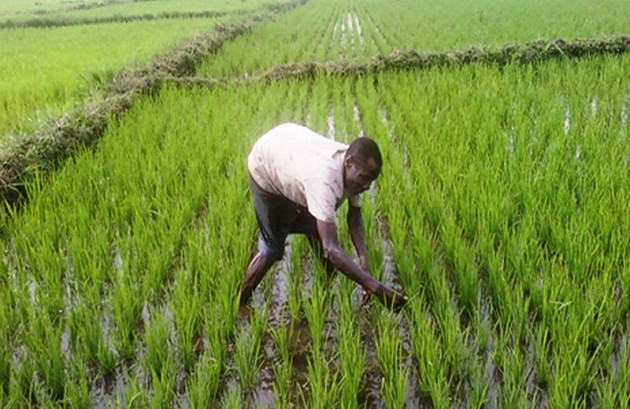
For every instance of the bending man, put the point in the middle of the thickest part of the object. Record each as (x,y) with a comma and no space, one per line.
(298,180)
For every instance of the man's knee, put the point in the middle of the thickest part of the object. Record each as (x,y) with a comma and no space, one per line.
(271,252)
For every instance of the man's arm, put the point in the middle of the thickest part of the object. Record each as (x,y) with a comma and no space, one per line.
(357,234)
(335,253)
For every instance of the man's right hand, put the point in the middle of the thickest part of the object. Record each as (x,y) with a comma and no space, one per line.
(390,298)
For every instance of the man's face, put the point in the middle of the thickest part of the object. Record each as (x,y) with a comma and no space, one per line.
(358,176)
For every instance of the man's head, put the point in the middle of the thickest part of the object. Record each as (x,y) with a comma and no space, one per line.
(362,165)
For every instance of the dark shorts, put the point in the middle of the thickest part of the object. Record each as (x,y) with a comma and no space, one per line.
(278,217)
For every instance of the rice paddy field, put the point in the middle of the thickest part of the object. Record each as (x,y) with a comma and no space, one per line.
(501,214)
(52,60)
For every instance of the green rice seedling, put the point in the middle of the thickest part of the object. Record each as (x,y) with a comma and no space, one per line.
(45,346)
(295,287)
(87,337)
(247,350)
(465,274)
(315,308)
(6,342)
(233,399)
(126,307)
(282,368)
(5,354)
(78,390)
(389,351)
(158,347)
(23,386)
(188,318)
(484,374)
(432,374)
(203,384)
(352,355)
(618,387)
(163,383)
(612,394)
(319,106)
(135,395)
(514,377)
(479,393)
(325,385)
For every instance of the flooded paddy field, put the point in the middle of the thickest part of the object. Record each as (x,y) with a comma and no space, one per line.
(500,213)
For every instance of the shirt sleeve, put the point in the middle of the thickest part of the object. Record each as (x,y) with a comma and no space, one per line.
(320,199)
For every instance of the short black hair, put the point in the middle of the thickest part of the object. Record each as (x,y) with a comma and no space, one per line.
(364,149)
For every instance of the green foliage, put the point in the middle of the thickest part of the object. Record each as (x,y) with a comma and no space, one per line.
(501,213)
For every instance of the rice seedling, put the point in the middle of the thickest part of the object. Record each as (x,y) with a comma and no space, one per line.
(135,394)
(247,353)
(188,318)
(390,357)
(203,384)
(352,355)
(233,399)
(282,368)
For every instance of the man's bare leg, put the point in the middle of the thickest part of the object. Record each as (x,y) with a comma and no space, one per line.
(258,266)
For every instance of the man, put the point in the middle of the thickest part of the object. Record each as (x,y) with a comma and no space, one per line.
(298,180)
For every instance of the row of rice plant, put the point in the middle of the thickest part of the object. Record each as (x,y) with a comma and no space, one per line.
(356,30)
(506,200)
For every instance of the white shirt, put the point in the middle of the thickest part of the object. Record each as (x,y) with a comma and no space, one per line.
(305,167)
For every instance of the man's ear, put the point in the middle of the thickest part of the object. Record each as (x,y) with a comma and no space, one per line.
(347,159)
